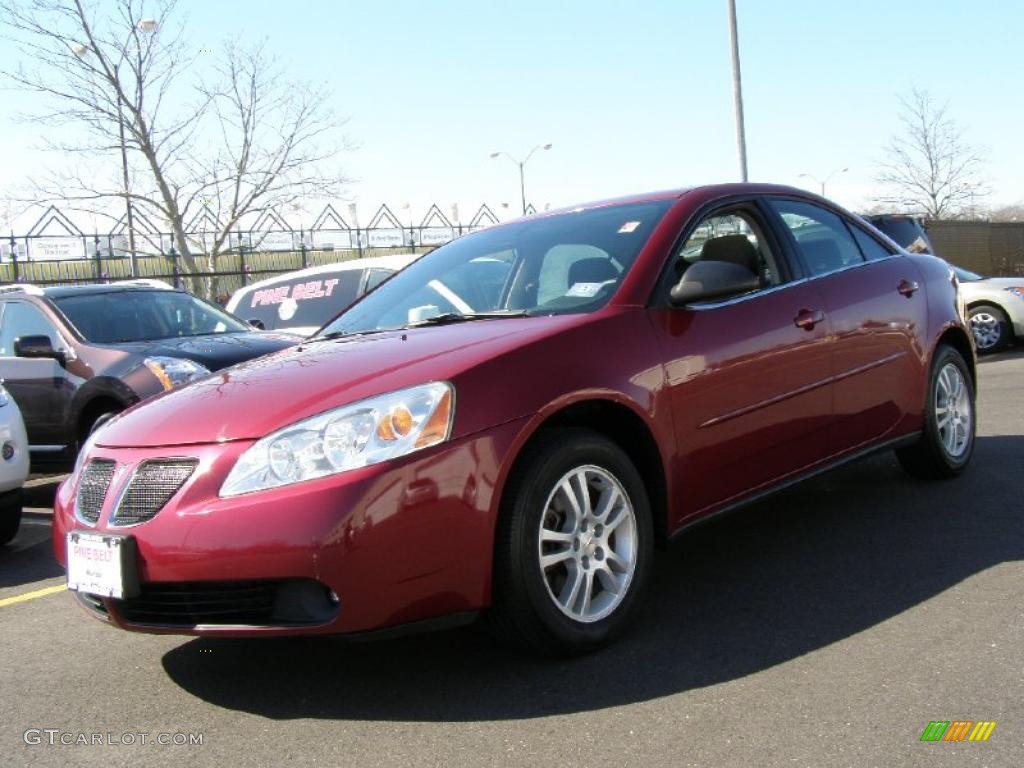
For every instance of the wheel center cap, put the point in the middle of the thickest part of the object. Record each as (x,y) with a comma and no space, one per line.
(587,543)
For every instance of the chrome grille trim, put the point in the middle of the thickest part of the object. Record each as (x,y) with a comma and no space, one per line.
(92,489)
(151,486)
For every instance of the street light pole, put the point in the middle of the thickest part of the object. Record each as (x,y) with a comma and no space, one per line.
(147,26)
(522,169)
(819,181)
(130,214)
(737,91)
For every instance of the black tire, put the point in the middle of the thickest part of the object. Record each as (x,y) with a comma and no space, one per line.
(10,517)
(991,328)
(930,458)
(524,609)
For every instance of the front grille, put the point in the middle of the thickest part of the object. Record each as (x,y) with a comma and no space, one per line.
(152,486)
(92,488)
(288,602)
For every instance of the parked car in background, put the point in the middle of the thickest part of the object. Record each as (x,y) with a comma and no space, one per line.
(301,302)
(628,368)
(995,305)
(72,356)
(13,466)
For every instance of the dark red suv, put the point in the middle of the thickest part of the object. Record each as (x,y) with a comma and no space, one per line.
(522,444)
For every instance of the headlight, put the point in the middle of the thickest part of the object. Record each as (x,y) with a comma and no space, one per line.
(4,398)
(175,371)
(357,435)
(1017,291)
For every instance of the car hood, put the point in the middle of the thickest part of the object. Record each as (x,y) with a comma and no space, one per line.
(215,350)
(1003,282)
(256,398)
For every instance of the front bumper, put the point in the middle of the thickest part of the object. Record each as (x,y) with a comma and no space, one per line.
(398,542)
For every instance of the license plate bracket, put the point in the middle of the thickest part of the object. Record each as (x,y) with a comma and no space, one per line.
(104,564)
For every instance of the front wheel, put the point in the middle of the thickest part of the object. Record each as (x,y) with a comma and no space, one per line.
(947,441)
(573,546)
(991,328)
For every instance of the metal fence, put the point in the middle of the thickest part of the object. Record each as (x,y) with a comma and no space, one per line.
(56,251)
(991,248)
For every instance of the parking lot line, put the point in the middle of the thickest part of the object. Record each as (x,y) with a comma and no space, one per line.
(32,595)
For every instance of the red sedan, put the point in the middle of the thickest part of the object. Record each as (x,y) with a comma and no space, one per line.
(517,420)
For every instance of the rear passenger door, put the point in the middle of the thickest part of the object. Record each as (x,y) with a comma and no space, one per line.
(874,303)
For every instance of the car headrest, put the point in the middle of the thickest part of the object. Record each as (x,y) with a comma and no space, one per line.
(735,249)
(594,270)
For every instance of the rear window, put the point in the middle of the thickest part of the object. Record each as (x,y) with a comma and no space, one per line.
(301,302)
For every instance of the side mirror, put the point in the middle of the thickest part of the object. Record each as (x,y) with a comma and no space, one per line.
(706,280)
(37,346)
(257,323)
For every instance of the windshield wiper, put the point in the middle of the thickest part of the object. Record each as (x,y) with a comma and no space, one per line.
(456,317)
(342,335)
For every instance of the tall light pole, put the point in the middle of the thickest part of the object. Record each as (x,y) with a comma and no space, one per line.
(147,26)
(522,163)
(819,181)
(737,90)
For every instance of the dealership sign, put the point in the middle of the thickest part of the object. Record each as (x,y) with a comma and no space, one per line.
(56,248)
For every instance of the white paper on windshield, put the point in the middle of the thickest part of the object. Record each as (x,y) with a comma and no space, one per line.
(585,290)
(629,226)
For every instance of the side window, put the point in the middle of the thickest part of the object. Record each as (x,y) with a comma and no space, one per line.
(823,238)
(734,237)
(575,270)
(20,319)
(871,248)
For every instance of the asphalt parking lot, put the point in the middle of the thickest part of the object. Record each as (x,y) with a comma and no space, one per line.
(824,627)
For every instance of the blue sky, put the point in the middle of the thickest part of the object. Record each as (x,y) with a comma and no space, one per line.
(634,96)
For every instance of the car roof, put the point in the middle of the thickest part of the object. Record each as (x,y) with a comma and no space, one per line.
(88,289)
(736,188)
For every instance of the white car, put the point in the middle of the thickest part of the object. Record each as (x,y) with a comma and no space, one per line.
(13,466)
(302,302)
(995,306)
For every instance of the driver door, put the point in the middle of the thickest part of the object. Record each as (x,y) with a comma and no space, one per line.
(749,376)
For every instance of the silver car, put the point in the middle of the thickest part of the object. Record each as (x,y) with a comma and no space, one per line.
(995,306)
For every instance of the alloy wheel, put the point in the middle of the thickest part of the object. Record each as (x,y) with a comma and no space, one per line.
(587,543)
(953,410)
(987,330)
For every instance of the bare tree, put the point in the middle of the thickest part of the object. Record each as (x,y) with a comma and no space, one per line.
(219,140)
(929,167)
(1014,212)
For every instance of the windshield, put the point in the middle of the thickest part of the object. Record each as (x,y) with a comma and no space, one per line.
(120,316)
(566,263)
(300,301)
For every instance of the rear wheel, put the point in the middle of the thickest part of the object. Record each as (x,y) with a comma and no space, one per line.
(947,442)
(573,546)
(990,326)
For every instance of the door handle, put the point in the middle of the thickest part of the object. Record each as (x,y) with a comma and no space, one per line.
(907,287)
(808,318)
